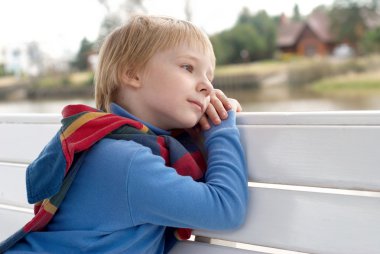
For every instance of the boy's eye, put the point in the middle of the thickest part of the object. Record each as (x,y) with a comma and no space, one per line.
(188,67)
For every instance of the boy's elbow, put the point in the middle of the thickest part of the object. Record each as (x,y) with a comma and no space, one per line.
(237,218)
(240,218)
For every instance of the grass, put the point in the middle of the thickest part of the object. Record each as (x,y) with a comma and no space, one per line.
(353,85)
(8,80)
(80,78)
(258,68)
(349,82)
(75,79)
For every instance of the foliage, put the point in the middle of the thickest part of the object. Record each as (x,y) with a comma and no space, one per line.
(81,60)
(260,68)
(252,38)
(346,21)
(306,71)
(110,22)
(353,81)
(296,13)
(115,18)
(371,41)
(73,80)
(2,70)
(350,25)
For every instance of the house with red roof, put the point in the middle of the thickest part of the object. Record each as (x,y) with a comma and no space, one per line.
(313,36)
(306,38)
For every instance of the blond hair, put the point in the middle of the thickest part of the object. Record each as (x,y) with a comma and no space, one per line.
(129,47)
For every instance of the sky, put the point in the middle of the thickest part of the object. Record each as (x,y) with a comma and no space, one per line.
(59,25)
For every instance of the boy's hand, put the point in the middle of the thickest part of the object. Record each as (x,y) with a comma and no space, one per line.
(217,109)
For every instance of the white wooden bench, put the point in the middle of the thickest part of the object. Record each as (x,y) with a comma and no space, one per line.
(314,182)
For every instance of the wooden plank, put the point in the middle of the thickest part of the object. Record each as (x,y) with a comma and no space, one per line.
(21,143)
(309,222)
(323,156)
(30,118)
(204,248)
(11,221)
(12,185)
(367,117)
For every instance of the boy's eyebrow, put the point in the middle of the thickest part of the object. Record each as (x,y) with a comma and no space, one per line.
(189,56)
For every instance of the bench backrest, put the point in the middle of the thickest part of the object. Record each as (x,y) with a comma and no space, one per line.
(314,181)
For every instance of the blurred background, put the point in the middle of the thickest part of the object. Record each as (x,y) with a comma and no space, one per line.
(274,55)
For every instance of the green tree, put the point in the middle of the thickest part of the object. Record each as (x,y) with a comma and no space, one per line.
(81,62)
(296,13)
(265,28)
(371,41)
(252,38)
(375,4)
(2,70)
(222,48)
(242,38)
(346,21)
(109,23)
(115,18)
(244,16)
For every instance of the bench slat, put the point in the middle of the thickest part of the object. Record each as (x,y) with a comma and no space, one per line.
(320,156)
(275,154)
(11,221)
(12,185)
(21,143)
(309,222)
(204,248)
(356,117)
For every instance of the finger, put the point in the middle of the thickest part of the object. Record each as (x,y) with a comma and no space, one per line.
(219,108)
(213,115)
(203,123)
(235,105)
(223,98)
(239,108)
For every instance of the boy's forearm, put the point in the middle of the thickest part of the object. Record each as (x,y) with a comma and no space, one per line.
(227,170)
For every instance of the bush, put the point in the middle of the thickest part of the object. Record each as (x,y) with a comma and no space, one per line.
(2,70)
(308,72)
(305,72)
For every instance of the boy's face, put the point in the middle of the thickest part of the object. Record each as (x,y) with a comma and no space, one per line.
(175,87)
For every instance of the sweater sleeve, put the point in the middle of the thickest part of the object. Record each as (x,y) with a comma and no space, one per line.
(158,195)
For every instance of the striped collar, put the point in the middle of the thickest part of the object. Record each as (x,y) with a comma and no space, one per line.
(118,110)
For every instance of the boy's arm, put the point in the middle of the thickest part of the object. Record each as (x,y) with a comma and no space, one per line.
(158,195)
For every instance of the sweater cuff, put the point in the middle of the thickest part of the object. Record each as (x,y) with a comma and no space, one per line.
(230,122)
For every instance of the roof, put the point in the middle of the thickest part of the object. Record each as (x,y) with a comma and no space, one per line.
(289,31)
(319,23)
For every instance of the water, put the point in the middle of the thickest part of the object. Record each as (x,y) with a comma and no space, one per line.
(41,106)
(272,99)
(281,99)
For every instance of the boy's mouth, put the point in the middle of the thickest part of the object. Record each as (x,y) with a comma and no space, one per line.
(197,103)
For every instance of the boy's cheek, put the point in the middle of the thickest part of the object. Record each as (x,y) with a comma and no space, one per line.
(207,105)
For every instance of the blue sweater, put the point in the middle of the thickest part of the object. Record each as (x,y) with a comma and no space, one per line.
(124,197)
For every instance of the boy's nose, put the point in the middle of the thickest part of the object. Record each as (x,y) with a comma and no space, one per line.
(205,87)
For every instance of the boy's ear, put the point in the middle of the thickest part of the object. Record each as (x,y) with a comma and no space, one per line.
(129,79)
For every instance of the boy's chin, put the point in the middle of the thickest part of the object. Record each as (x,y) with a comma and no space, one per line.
(188,125)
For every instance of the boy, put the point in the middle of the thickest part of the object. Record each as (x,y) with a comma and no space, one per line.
(134,186)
